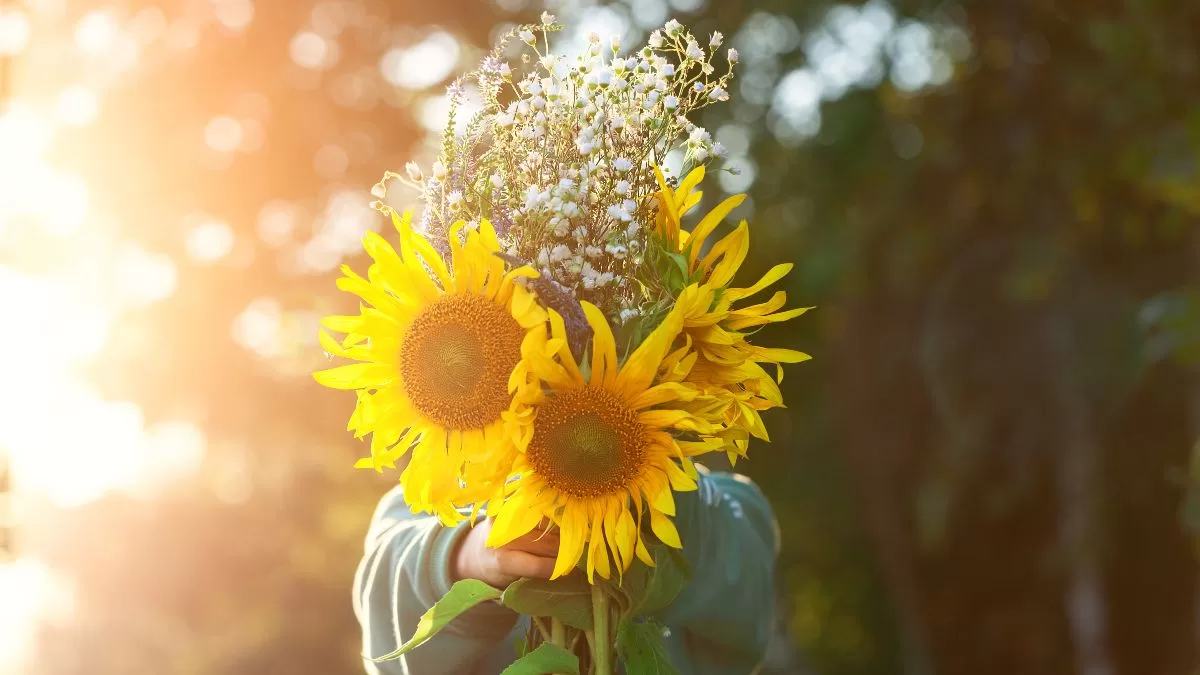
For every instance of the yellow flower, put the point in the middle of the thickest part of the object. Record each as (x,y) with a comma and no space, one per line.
(436,347)
(601,450)
(735,387)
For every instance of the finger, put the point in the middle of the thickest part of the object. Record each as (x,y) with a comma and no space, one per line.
(522,564)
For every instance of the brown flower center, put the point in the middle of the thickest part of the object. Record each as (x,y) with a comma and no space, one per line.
(587,443)
(456,358)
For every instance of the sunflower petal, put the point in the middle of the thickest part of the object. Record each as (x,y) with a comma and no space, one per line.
(664,529)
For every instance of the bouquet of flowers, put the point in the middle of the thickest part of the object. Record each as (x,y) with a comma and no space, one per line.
(548,346)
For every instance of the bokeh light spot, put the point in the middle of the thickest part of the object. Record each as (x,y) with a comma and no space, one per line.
(96,32)
(14,32)
(77,106)
(209,241)
(424,64)
(223,134)
(312,51)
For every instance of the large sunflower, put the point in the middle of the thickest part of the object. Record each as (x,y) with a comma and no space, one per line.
(437,345)
(601,451)
(728,369)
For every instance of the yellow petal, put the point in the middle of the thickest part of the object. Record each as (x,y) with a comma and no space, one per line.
(356,376)
(664,529)
(604,347)
(709,223)
(774,274)
(573,531)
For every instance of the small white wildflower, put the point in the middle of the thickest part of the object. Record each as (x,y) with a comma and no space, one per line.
(414,171)
(698,87)
(580,232)
(631,231)
(670,103)
(615,43)
(496,180)
(617,123)
(571,210)
(604,279)
(560,253)
(543,258)
(622,187)
(629,205)
(547,19)
(668,70)
(566,184)
(537,102)
(627,314)
(593,37)
(585,148)
(527,37)
(693,51)
(718,94)
(592,251)
(733,55)
(561,228)
(455,200)
(656,39)
(439,170)
(716,39)
(700,154)
(505,71)
(673,27)
(718,150)
(735,170)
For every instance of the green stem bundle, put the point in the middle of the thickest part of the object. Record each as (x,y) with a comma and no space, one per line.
(602,641)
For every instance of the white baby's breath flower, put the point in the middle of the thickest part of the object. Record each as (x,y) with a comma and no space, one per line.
(693,51)
(622,164)
(593,37)
(698,87)
(673,27)
(718,150)
(496,180)
(547,19)
(668,70)
(527,37)
(670,102)
(628,313)
(718,94)
(732,54)
(560,253)
(414,171)
(455,199)
(505,71)
(656,39)
(615,43)
(592,251)
(735,170)
(716,39)
(622,187)
(439,170)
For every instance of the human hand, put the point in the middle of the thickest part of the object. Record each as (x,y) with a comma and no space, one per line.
(530,555)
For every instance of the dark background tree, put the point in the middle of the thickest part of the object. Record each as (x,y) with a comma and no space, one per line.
(994,206)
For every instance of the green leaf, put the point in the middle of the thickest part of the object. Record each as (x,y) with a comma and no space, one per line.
(463,595)
(568,599)
(643,649)
(670,574)
(548,658)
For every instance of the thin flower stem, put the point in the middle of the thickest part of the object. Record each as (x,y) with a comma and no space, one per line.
(558,633)
(602,646)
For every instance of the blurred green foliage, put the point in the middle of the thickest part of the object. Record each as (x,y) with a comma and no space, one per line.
(973,475)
